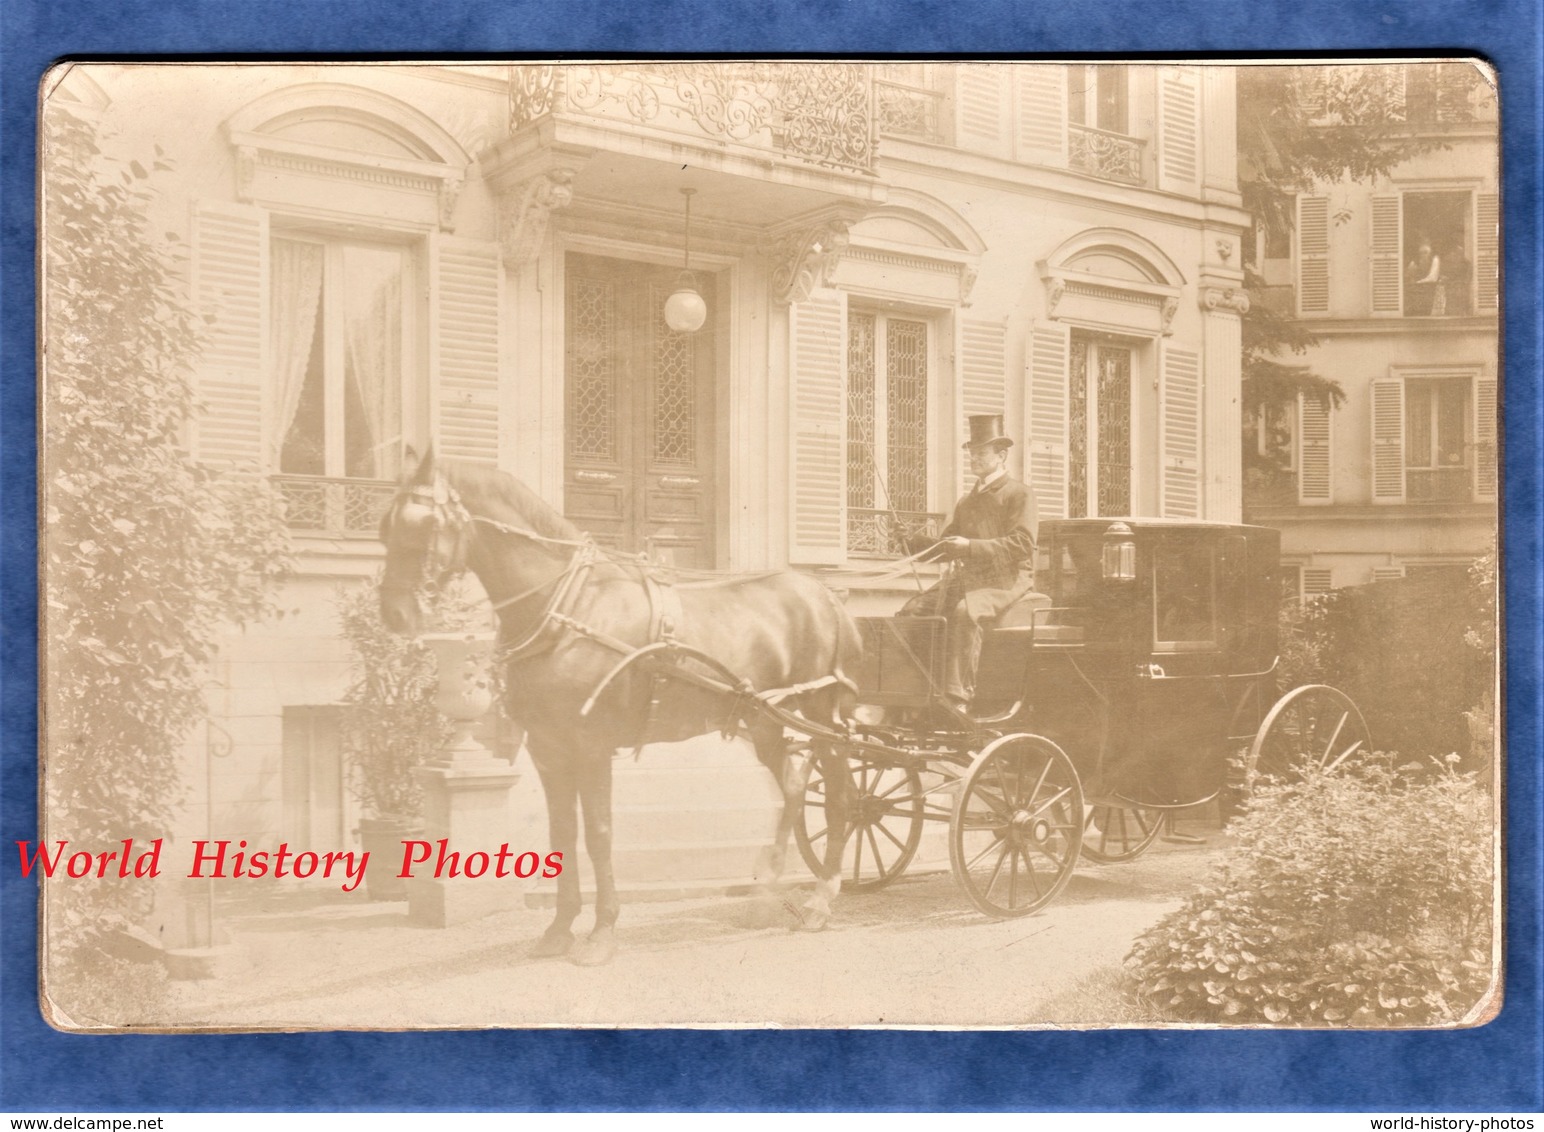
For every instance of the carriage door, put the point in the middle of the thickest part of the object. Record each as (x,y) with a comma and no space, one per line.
(638,470)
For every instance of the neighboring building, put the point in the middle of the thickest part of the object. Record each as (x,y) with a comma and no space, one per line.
(479,255)
(1403,475)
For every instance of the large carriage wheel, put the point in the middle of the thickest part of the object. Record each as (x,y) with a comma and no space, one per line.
(1314,726)
(883,823)
(1118,830)
(1018,823)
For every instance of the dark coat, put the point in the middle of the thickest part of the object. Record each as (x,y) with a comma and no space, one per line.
(1002,524)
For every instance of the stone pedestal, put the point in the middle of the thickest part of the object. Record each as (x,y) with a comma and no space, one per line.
(466,799)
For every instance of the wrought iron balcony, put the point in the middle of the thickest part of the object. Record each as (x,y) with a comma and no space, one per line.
(875,533)
(337,508)
(1104,154)
(817,113)
(908,110)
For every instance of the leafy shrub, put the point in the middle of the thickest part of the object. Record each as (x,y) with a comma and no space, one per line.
(1359,897)
(390,724)
(151,557)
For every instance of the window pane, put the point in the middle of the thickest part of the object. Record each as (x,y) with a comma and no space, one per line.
(372,333)
(1418,396)
(861,454)
(1184,598)
(298,358)
(1077,432)
(1114,430)
(906,388)
(1450,424)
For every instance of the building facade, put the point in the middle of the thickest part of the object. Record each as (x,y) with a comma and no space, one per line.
(1397,279)
(479,256)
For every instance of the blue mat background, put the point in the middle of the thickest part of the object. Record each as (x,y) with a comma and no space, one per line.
(1493,1068)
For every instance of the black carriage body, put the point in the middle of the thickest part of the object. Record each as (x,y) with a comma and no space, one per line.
(1150,669)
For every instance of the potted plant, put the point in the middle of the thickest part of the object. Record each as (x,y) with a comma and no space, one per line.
(390,725)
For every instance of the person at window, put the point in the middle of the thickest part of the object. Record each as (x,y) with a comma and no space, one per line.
(990,543)
(1424,276)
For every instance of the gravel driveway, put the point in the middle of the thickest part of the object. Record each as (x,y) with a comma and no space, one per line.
(915,954)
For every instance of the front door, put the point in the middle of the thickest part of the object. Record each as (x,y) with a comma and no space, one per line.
(639,440)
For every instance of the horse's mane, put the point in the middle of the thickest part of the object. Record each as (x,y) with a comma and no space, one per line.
(482,486)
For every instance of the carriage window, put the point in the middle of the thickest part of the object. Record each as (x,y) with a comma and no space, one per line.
(1184,598)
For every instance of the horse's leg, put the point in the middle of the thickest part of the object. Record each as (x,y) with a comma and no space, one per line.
(595,796)
(560,785)
(833,768)
(774,753)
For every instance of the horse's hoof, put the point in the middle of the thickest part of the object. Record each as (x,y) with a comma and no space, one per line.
(812,920)
(596,951)
(553,945)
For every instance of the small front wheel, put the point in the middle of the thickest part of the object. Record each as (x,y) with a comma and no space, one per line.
(1116,830)
(882,823)
(1018,826)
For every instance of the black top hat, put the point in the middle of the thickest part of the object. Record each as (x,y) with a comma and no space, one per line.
(987,429)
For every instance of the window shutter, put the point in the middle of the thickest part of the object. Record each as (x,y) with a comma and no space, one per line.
(1179,154)
(817,353)
(1313,450)
(1045,453)
(1387,573)
(466,278)
(1487,257)
(1486,435)
(230,289)
(1180,442)
(1388,441)
(1313,255)
(980,99)
(1316,580)
(983,373)
(1387,240)
(1042,113)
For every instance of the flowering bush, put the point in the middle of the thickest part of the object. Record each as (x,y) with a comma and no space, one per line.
(1360,897)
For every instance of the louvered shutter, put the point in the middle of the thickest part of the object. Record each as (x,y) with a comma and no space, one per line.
(1387,573)
(1316,580)
(1041,106)
(1313,255)
(1313,450)
(983,373)
(1180,439)
(1486,434)
(1388,441)
(230,290)
(1179,152)
(465,332)
(817,352)
(1487,250)
(980,102)
(1045,454)
(1387,242)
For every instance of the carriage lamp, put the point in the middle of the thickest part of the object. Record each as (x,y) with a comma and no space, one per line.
(1120,554)
(685,311)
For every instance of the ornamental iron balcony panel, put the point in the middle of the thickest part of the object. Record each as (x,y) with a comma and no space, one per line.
(818,113)
(873,533)
(339,508)
(908,111)
(1103,154)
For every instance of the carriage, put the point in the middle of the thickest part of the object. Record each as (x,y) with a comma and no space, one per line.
(1139,680)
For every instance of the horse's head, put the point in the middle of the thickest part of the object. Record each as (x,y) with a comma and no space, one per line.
(426,531)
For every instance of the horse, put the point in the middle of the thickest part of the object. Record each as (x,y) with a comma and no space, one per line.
(571,623)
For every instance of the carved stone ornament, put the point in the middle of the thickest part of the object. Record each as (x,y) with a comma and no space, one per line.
(968,273)
(1170,309)
(450,190)
(804,260)
(1233,299)
(525,210)
(246,171)
(1053,295)
(1225,250)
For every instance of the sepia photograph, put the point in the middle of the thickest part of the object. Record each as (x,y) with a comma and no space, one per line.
(821,544)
